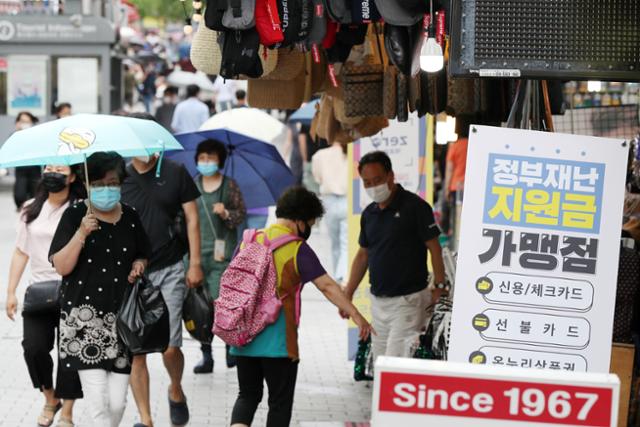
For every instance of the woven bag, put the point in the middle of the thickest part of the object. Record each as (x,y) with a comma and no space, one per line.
(290,63)
(363,87)
(269,59)
(327,125)
(340,113)
(206,51)
(329,87)
(369,127)
(277,94)
(390,92)
(402,102)
(363,80)
(461,96)
(319,73)
(308,81)
(414,93)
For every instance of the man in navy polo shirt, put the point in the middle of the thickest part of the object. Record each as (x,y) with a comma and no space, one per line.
(396,230)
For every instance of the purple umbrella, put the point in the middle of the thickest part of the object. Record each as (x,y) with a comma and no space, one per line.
(256,166)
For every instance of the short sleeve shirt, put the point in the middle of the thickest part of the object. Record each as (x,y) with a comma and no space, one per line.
(158,201)
(93,292)
(395,240)
(457,155)
(34,239)
(297,264)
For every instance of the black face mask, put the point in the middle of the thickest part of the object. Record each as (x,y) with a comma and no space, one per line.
(306,233)
(54,182)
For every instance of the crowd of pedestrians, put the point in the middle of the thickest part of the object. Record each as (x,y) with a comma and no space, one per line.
(148,216)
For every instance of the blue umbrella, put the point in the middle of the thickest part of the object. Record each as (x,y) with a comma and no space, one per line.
(305,113)
(256,166)
(71,140)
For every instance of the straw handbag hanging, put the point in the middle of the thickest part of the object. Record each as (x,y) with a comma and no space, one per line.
(206,51)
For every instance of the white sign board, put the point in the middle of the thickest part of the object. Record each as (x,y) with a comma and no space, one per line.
(78,83)
(404,144)
(27,85)
(419,393)
(539,246)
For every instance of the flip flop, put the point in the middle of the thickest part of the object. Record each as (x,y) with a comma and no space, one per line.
(179,412)
(48,408)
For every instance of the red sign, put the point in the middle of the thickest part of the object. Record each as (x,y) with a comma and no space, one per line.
(4,64)
(515,401)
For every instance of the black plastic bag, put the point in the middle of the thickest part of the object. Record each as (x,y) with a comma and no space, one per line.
(143,321)
(197,313)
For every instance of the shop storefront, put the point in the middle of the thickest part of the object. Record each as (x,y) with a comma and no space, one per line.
(49,59)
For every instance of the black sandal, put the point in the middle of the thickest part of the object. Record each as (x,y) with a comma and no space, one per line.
(179,412)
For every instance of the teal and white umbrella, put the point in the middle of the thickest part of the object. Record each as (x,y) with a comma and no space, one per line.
(71,140)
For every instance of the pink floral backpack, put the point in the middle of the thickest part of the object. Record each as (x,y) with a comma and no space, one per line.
(248,301)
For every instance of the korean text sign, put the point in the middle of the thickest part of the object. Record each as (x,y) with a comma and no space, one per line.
(409,392)
(539,246)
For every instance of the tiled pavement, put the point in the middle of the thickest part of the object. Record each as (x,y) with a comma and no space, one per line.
(326,395)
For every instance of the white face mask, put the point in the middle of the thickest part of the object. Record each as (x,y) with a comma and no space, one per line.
(23,126)
(379,193)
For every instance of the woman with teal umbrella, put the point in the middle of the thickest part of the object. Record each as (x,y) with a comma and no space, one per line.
(99,249)
(78,139)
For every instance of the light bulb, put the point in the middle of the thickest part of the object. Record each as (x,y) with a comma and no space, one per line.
(188,29)
(196,17)
(197,5)
(431,57)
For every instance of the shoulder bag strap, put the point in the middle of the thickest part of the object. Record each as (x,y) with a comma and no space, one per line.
(206,211)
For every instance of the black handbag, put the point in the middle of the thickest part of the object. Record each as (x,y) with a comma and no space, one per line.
(197,313)
(42,297)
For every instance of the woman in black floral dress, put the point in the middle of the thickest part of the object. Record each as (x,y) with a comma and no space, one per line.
(99,252)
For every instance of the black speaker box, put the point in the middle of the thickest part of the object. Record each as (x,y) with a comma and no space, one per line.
(546,39)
